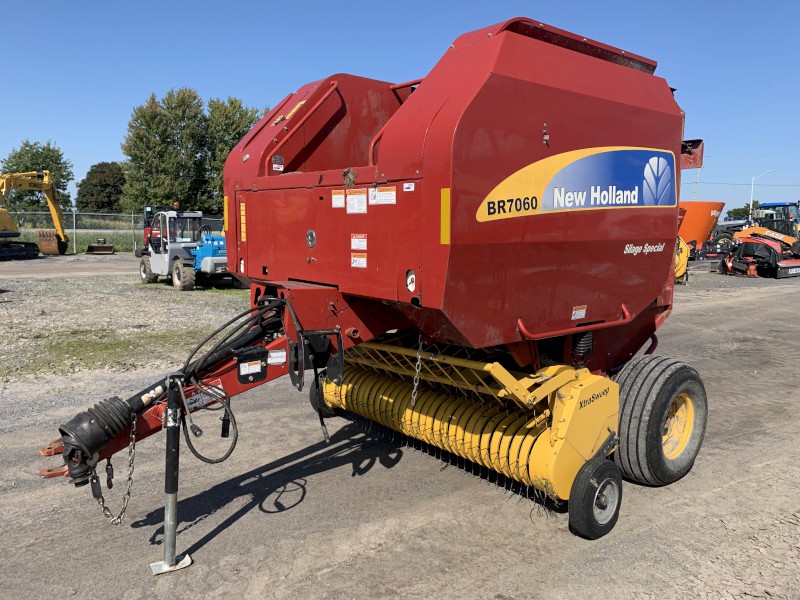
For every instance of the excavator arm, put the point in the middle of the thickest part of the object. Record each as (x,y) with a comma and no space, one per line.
(50,242)
(8,229)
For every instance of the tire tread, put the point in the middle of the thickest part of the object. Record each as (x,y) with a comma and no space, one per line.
(641,383)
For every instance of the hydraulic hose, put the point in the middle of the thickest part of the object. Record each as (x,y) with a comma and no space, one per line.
(242,335)
(88,432)
(224,400)
(253,318)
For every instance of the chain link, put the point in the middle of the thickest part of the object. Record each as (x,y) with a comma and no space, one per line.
(418,368)
(117,520)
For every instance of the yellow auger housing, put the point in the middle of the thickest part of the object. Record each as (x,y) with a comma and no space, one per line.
(538,430)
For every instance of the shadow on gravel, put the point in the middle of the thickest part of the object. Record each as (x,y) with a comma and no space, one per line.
(279,485)
(361,444)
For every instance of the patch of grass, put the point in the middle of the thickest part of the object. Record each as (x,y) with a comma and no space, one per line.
(223,288)
(122,240)
(69,351)
(231,291)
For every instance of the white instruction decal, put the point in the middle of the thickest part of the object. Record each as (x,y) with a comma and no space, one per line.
(358,241)
(276,357)
(337,198)
(408,187)
(578,312)
(383,195)
(357,201)
(358,260)
(248,368)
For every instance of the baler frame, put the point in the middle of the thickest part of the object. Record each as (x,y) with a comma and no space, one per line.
(462,260)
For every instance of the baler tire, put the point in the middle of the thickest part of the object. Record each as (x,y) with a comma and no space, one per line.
(595,498)
(182,276)
(146,272)
(662,419)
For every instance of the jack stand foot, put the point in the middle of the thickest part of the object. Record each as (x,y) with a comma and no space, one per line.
(162,566)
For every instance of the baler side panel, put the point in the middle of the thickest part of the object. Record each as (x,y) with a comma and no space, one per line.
(361,254)
(540,267)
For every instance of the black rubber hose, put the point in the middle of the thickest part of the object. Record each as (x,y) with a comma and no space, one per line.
(223,398)
(215,355)
(215,332)
(237,337)
(233,338)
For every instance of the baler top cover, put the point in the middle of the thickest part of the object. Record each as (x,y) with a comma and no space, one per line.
(525,188)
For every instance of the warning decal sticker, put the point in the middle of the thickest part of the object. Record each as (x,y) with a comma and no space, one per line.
(356,201)
(578,312)
(383,195)
(358,260)
(358,241)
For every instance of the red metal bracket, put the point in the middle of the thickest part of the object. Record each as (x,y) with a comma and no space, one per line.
(626,317)
(54,472)
(53,448)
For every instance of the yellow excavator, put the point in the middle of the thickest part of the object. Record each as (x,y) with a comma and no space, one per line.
(52,242)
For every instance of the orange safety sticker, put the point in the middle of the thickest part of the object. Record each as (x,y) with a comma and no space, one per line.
(578,312)
(358,260)
(383,195)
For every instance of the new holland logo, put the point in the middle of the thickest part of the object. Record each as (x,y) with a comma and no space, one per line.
(657,184)
(613,177)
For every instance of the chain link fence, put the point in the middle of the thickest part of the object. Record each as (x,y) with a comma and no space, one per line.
(125,231)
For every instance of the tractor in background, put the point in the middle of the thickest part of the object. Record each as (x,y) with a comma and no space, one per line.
(178,246)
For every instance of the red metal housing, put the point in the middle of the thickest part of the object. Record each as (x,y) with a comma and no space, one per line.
(470,180)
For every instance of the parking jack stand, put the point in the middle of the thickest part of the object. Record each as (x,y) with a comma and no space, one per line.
(173,422)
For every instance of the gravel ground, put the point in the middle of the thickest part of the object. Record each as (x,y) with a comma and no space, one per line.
(291,517)
(67,325)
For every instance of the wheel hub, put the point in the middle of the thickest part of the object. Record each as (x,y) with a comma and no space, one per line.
(605,501)
(678,426)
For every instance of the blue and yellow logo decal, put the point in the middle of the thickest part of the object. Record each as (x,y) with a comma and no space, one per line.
(589,179)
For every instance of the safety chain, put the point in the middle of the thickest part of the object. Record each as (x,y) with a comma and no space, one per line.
(110,474)
(417,368)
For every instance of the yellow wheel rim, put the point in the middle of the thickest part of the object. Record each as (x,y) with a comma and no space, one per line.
(678,426)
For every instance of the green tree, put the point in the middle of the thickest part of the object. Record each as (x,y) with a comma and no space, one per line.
(228,121)
(35,156)
(176,150)
(166,150)
(743,212)
(101,189)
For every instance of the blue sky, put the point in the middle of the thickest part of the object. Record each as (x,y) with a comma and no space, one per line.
(75,74)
